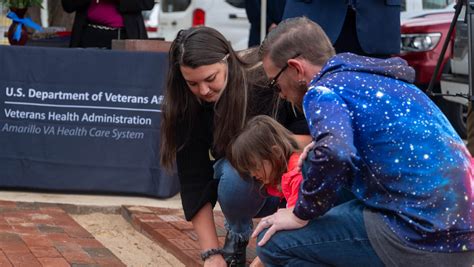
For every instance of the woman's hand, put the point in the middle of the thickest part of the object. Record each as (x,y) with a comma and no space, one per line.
(257,263)
(215,261)
(304,154)
(283,219)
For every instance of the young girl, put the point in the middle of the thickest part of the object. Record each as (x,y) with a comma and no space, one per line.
(266,151)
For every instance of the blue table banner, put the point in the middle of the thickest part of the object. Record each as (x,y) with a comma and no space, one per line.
(82,120)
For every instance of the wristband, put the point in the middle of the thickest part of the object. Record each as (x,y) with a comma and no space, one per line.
(210,252)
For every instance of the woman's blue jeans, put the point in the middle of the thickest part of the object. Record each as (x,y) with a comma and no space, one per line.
(241,200)
(337,238)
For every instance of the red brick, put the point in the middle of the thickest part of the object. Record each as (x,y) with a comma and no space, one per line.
(159,225)
(7,239)
(27,206)
(102,253)
(147,217)
(182,225)
(171,218)
(185,244)
(219,218)
(41,218)
(105,262)
(194,257)
(15,220)
(58,238)
(221,240)
(192,235)
(47,228)
(4,262)
(251,254)
(69,247)
(221,231)
(165,211)
(180,241)
(168,233)
(6,228)
(16,248)
(25,228)
(37,241)
(45,252)
(54,262)
(7,204)
(138,209)
(52,210)
(23,259)
(78,258)
(146,228)
(87,242)
(64,220)
(77,231)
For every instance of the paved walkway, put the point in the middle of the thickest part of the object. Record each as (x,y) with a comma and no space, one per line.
(33,234)
(168,228)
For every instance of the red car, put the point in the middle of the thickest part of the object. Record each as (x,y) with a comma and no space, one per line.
(422,39)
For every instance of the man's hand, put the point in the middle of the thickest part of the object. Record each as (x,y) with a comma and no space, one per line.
(304,154)
(283,219)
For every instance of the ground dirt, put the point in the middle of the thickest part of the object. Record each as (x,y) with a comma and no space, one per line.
(130,246)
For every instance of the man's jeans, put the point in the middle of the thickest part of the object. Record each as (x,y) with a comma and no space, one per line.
(337,238)
(241,200)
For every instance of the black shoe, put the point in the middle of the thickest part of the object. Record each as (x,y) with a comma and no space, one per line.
(234,251)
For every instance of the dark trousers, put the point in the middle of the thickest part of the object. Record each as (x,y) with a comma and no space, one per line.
(348,40)
(93,37)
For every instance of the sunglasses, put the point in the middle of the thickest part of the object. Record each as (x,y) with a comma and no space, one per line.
(273,84)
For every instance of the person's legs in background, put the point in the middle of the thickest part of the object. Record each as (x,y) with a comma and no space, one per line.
(348,41)
(337,238)
(100,38)
(240,200)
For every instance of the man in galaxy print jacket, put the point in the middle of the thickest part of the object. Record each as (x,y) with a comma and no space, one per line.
(383,138)
(378,136)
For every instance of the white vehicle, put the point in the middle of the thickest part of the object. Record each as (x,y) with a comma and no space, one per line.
(151,21)
(227,16)
(414,8)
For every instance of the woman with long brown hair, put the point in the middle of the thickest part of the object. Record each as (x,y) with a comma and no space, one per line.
(211,92)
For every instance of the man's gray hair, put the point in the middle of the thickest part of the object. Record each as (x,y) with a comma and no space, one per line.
(295,36)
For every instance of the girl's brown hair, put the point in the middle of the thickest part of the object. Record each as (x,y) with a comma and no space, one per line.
(193,48)
(263,138)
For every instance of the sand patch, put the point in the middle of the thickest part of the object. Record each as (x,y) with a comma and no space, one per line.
(130,246)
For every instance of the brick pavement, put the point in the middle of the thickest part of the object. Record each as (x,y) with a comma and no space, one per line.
(33,234)
(168,228)
(37,234)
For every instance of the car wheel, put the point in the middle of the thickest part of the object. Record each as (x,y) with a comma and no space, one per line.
(457,115)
